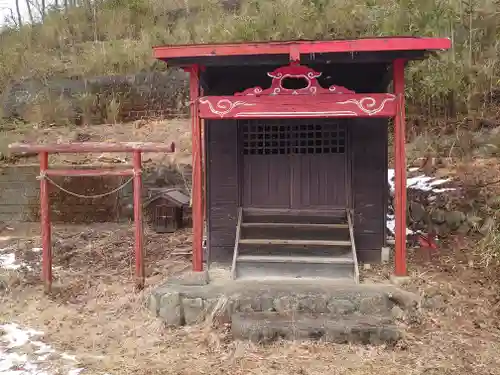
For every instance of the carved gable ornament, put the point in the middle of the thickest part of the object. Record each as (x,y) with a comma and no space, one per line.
(295,72)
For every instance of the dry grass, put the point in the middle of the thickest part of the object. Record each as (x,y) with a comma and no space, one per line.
(97,316)
(164,131)
(116,38)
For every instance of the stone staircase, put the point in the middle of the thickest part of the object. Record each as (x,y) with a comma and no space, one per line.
(295,244)
(265,311)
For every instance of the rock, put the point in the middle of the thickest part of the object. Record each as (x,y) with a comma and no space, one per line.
(373,305)
(193,310)
(464,228)
(442,229)
(285,304)
(404,299)
(454,219)
(312,304)
(269,327)
(417,211)
(487,226)
(170,309)
(340,306)
(474,221)
(494,202)
(438,216)
(397,312)
(153,304)
(435,302)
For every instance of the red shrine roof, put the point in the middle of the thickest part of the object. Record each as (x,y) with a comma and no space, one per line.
(367,49)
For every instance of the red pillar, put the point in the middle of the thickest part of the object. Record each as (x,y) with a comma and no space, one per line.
(400,168)
(138,246)
(45,221)
(197,194)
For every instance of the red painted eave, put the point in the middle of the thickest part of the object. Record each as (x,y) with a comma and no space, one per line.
(303,47)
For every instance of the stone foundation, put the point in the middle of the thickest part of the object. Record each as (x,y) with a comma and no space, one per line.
(261,311)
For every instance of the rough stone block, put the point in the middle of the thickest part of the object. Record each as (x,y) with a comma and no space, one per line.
(193,310)
(385,254)
(400,280)
(311,304)
(153,305)
(341,306)
(285,304)
(374,305)
(248,304)
(266,303)
(268,327)
(218,309)
(170,309)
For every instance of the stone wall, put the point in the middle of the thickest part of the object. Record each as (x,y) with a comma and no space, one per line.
(99,99)
(20,195)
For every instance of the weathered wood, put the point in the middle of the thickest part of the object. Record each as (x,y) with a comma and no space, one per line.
(353,246)
(337,213)
(90,172)
(295,259)
(236,242)
(295,225)
(92,147)
(255,241)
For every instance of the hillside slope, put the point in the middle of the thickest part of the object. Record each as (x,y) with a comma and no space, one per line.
(116,36)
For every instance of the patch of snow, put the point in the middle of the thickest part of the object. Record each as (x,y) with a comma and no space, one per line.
(15,336)
(13,361)
(36,249)
(8,261)
(69,357)
(422,183)
(391,225)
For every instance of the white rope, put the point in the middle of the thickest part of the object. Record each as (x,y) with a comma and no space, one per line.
(44,176)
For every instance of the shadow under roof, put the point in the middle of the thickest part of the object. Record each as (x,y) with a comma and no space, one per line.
(270,53)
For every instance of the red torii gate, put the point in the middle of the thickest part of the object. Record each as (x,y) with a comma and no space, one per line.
(136,148)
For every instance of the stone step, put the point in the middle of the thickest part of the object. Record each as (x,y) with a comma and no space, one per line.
(185,299)
(272,267)
(265,327)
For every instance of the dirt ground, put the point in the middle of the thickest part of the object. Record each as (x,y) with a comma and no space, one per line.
(96,316)
(97,324)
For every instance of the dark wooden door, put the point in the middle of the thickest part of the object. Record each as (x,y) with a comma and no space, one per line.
(298,164)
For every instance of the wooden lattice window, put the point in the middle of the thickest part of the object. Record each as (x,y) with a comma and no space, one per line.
(297,137)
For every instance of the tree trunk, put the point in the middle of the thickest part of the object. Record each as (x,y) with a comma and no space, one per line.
(30,14)
(19,18)
(42,11)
